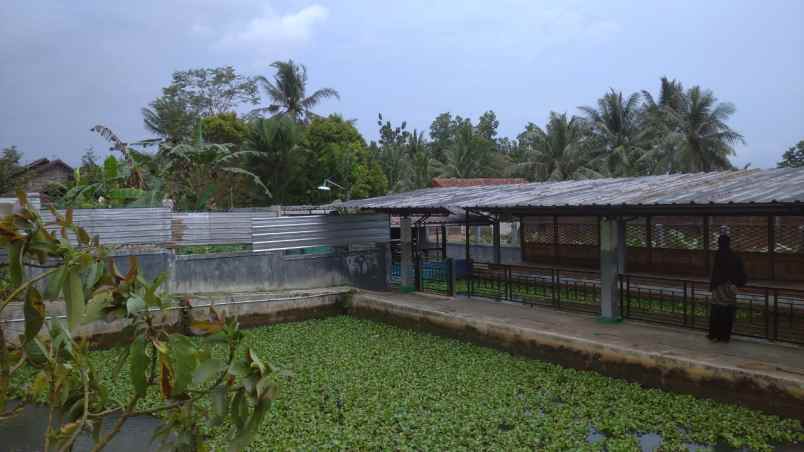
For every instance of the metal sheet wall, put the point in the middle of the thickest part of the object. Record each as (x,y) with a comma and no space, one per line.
(296,232)
(122,226)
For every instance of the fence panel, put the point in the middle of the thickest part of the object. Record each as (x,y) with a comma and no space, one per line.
(306,231)
(211,228)
(121,226)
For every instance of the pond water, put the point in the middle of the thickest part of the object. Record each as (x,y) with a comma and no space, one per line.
(25,433)
(650,442)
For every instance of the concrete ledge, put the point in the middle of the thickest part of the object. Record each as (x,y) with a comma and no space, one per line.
(775,390)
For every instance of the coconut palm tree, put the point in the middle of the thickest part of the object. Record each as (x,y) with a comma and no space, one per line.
(699,138)
(617,128)
(470,155)
(557,152)
(288,92)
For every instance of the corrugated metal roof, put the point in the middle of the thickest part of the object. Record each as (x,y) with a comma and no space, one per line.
(745,187)
(459,182)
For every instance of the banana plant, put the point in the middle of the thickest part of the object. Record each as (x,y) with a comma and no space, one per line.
(109,189)
(179,371)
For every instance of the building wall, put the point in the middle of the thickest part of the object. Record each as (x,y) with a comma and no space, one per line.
(39,180)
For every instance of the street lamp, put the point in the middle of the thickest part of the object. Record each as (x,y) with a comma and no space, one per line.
(329,183)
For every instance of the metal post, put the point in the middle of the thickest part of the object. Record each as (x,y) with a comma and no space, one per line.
(495,230)
(649,241)
(466,231)
(418,273)
(443,241)
(772,247)
(407,281)
(707,238)
(556,260)
(522,255)
(450,277)
(612,263)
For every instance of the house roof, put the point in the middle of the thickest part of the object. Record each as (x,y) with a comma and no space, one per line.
(781,188)
(474,182)
(42,164)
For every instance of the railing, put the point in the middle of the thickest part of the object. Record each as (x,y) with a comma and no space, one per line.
(435,275)
(573,290)
(765,312)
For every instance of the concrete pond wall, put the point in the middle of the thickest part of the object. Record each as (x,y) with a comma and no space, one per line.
(248,271)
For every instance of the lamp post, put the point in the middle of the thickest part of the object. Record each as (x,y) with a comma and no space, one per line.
(329,183)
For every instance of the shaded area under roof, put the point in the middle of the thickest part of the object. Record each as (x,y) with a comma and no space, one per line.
(775,190)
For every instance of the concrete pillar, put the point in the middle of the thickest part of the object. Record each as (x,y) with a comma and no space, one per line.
(495,232)
(612,263)
(406,270)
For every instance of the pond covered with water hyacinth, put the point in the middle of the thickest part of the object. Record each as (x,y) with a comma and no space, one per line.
(364,385)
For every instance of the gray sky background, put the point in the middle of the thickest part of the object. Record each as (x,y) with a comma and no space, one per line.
(66,66)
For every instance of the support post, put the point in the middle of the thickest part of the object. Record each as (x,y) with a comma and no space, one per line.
(772,247)
(443,241)
(707,245)
(466,230)
(406,270)
(495,231)
(612,264)
(450,277)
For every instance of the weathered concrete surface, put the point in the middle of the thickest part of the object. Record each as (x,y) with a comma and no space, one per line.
(251,309)
(247,271)
(760,375)
(241,272)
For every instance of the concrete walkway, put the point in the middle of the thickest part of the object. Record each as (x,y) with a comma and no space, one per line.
(761,374)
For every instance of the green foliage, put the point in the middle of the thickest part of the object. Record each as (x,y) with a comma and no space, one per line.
(225,128)
(196,94)
(282,159)
(201,176)
(340,153)
(793,157)
(9,169)
(60,369)
(288,92)
(557,152)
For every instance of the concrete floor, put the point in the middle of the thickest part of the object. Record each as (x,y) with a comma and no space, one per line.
(672,358)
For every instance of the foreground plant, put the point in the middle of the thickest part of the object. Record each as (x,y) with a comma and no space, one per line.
(239,387)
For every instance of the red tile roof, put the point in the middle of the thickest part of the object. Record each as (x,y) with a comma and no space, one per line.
(455,182)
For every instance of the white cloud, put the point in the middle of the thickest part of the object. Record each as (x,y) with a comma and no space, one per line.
(271,29)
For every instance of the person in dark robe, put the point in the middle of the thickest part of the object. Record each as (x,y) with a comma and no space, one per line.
(728,273)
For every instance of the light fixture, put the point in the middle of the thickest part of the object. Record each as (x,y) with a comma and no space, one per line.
(328,182)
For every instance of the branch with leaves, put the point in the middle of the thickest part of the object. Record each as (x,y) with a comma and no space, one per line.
(240,387)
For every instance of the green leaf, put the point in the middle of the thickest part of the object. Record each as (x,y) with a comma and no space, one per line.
(208,369)
(74,298)
(135,304)
(96,306)
(138,364)
(183,363)
(15,262)
(34,313)
(218,399)
(54,284)
(239,411)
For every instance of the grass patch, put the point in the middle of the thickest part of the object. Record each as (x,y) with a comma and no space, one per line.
(362,385)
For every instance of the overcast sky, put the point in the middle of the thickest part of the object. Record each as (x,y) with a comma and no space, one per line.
(68,65)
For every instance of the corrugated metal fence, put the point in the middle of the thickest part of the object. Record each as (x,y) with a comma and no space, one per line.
(305,231)
(265,230)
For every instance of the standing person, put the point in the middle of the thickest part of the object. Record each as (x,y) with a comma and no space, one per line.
(727,274)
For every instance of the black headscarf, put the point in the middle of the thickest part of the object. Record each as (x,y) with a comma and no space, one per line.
(728,266)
